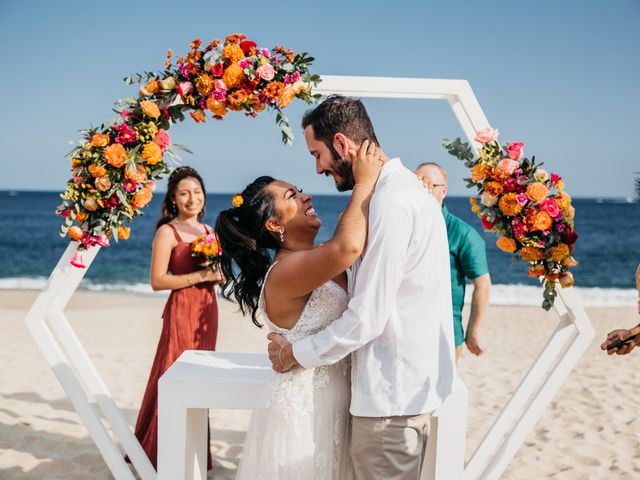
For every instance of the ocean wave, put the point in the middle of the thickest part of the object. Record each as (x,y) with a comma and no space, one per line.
(526,295)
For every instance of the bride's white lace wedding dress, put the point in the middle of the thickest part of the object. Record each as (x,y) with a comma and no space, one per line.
(299,428)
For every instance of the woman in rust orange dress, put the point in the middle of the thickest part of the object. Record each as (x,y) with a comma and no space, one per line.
(190,317)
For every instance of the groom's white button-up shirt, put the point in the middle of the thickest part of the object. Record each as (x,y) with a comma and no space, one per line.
(399,320)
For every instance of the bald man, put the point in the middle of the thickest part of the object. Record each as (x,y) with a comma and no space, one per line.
(468,259)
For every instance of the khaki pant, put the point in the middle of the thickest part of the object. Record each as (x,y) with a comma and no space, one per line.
(389,448)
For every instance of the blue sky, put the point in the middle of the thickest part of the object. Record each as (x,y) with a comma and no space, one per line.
(563,77)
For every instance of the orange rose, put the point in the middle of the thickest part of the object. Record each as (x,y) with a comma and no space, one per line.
(100,140)
(81,217)
(531,254)
(233,76)
(150,109)
(216,107)
(566,279)
(75,233)
(287,95)
(141,198)
(509,205)
(536,270)
(76,162)
(152,153)
(479,172)
(97,171)
(233,53)
(103,184)
(199,116)
(542,221)
(123,232)
(506,244)
(150,88)
(569,262)
(560,252)
(537,192)
(91,204)
(115,155)
(137,173)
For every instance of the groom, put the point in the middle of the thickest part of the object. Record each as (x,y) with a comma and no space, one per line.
(397,326)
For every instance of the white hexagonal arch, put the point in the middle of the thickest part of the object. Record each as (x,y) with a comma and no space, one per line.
(86,389)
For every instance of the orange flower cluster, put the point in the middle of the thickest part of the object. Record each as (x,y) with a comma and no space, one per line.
(524,205)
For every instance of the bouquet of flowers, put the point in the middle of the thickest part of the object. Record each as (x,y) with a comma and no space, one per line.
(115,166)
(206,250)
(524,205)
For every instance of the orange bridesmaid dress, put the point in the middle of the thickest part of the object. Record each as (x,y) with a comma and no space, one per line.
(190,322)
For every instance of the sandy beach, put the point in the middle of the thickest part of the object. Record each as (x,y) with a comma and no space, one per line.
(590,429)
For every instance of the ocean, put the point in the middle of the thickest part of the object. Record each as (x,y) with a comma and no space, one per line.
(608,248)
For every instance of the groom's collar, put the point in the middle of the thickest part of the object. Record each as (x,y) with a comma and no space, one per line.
(390,166)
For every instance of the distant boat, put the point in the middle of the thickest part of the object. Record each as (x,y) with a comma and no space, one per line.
(13,194)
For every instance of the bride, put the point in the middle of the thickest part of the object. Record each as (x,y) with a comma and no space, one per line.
(300,423)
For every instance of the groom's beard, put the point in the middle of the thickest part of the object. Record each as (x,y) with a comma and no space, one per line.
(343,173)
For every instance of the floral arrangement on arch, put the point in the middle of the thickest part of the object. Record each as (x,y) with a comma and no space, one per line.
(115,166)
(524,205)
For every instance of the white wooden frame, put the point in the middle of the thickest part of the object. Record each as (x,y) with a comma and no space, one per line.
(86,389)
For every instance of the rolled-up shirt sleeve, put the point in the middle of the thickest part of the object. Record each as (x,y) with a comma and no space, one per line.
(374,293)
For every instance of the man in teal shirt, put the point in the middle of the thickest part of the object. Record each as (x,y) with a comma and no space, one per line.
(468,257)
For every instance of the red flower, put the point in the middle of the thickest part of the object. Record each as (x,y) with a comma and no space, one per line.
(217,69)
(486,223)
(570,237)
(247,46)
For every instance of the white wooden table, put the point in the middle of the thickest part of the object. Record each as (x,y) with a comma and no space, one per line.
(197,381)
(200,380)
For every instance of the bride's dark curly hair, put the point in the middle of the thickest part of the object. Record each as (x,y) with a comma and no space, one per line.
(245,241)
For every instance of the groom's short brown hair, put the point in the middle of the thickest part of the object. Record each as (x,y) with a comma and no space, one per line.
(338,114)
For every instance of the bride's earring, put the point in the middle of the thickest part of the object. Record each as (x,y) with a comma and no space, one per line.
(281,232)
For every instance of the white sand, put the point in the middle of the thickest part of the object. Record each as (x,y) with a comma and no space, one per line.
(589,431)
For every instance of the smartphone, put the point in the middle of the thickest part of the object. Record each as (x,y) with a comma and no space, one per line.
(620,343)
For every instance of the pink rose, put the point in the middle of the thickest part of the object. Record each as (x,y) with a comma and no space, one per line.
(514,150)
(522,199)
(266,72)
(162,139)
(184,88)
(487,135)
(507,165)
(217,69)
(551,207)
(488,200)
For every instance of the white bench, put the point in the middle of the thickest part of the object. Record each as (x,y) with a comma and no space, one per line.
(200,380)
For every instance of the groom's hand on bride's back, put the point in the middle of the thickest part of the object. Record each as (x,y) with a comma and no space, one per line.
(280,353)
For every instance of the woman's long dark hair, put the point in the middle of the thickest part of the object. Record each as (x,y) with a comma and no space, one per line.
(169,208)
(245,241)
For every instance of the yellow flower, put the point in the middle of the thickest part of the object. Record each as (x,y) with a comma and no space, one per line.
(506,244)
(560,252)
(237,201)
(150,109)
(569,262)
(152,153)
(509,205)
(564,201)
(536,270)
(168,83)
(560,185)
